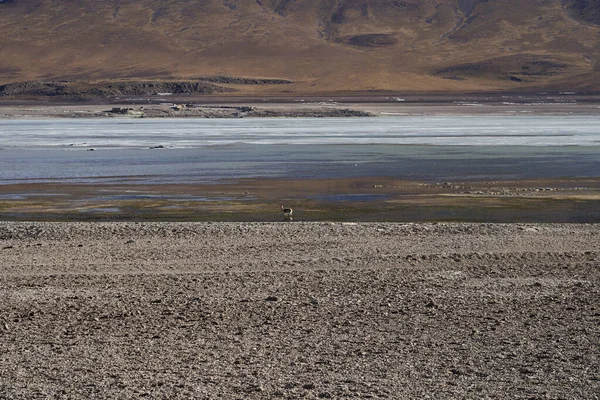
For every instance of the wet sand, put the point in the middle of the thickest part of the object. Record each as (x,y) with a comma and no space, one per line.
(350,200)
(291,310)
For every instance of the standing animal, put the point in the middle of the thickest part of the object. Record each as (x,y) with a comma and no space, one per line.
(287,212)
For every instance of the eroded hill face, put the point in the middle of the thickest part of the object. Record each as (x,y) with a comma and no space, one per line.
(584,10)
(320,45)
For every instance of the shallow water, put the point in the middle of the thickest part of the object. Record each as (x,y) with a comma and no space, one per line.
(209,150)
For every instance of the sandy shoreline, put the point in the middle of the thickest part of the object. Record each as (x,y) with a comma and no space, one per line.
(289,310)
(335,105)
(310,110)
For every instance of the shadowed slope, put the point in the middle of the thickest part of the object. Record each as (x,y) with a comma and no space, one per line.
(584,10)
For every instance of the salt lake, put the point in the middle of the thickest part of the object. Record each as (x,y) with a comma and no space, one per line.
(444,148)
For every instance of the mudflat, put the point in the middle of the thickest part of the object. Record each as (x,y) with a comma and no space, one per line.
(366,199)
(299,309)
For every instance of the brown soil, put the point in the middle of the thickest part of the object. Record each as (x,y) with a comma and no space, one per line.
(291,310)
(318,45)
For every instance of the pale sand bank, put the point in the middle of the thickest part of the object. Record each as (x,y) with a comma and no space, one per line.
(290,310)
(172,108)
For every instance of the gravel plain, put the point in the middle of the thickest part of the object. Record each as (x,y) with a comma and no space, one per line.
(299,310)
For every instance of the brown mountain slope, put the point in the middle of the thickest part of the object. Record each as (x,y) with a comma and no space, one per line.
(320,45)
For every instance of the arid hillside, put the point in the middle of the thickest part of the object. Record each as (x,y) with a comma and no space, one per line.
(318,45)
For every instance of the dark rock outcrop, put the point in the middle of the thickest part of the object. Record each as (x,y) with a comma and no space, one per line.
(231,80)
(513,68)
(102,89)
(583,10)
(371,40)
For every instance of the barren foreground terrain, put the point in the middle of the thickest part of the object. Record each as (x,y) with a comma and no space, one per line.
(294,310)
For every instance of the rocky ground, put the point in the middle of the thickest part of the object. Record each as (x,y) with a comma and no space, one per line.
(299,310)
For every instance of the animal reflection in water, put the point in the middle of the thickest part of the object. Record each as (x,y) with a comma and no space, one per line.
(287,213)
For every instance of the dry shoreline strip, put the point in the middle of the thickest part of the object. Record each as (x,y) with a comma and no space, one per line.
(289,310)
(334,105)
(309,110)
